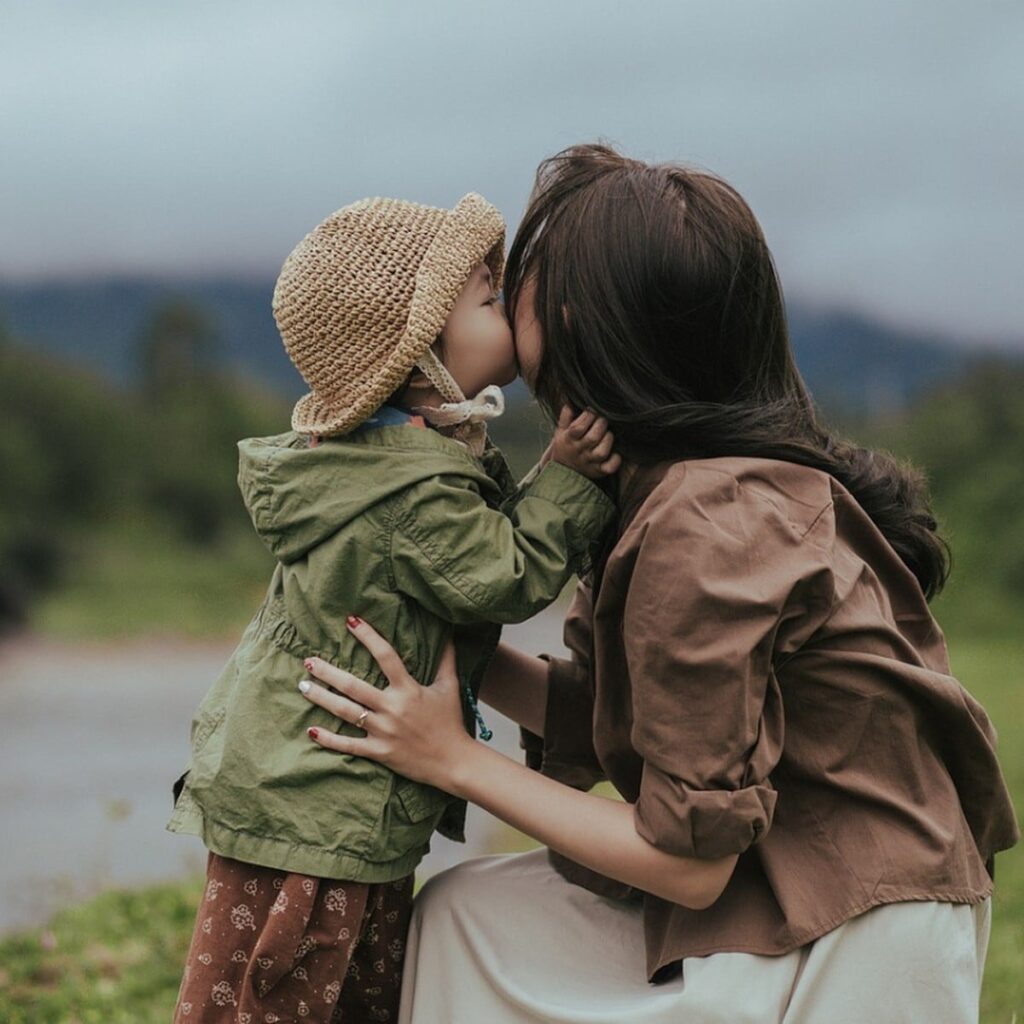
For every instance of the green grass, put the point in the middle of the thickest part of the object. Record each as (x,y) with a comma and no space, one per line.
(991,670)
(114,960)
(138,580)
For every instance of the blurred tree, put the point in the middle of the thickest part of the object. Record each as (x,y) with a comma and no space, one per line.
(176,349)
(87,466)
(969,437)
(61,458)
(177,352)
(192,415)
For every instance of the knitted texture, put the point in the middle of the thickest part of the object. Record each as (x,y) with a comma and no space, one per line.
(366,293)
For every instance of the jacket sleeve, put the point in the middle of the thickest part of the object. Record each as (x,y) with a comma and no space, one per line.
(513,497)
(721,578)
(467,562)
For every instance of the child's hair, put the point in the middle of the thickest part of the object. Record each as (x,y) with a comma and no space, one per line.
(400,396)
(661,310)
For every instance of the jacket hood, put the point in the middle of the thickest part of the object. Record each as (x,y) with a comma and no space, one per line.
(298,496)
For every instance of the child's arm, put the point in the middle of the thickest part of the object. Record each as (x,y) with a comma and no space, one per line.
(469,563)
(583,443)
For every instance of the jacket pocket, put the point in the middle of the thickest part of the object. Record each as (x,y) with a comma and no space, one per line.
(420,801)
(410,815)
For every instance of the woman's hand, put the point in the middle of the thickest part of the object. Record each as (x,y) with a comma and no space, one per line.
(415,730)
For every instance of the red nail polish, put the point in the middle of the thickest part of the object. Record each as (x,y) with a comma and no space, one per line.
(313,733)
(309,664)
(354,622)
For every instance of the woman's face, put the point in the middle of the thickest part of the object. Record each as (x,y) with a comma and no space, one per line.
(529,341)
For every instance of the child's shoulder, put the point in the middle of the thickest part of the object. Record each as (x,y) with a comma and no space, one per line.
(392,460)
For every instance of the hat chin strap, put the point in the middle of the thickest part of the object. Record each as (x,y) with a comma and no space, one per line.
(468,416)
(437,373)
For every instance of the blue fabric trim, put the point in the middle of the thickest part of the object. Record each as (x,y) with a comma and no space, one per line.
(385,416)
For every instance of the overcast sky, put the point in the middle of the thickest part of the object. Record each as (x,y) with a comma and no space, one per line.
(881,142)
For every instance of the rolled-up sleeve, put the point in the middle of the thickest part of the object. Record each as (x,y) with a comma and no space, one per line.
(717,580)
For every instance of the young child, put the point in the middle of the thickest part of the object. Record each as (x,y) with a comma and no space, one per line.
(386,496)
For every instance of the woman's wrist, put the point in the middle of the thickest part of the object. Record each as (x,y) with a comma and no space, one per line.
(463,767)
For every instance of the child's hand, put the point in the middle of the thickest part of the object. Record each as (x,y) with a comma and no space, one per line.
(584,444)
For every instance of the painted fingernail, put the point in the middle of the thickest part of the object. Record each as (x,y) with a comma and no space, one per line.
(309,664)
(313,733)
(305,686)
(354,622)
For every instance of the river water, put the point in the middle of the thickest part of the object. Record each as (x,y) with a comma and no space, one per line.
(91,739)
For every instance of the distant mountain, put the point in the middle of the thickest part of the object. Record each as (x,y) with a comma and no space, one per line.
(859,365)
(98,323)
(849,361)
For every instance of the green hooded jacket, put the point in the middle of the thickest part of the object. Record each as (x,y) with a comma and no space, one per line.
(405,528)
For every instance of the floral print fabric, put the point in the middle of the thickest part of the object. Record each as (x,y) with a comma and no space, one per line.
(270,947)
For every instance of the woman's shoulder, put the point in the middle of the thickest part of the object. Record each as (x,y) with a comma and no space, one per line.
(760,493)
(740,540)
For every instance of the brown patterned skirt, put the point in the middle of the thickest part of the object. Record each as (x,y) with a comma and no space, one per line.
(270,946)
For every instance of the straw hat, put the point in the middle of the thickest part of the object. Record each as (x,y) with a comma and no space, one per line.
(364,295)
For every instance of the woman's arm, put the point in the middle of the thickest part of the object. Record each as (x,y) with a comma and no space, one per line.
(417,731)
(594,831)
(516,685)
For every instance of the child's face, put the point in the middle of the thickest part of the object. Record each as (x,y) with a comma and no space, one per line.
(478,347)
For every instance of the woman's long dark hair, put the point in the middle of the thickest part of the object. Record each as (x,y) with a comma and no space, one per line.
(661,310)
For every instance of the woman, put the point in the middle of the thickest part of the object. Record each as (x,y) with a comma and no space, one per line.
(811,804)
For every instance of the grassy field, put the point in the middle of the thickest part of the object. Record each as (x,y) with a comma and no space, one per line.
(991,671)
(117,959)
(135,580)
(114,960)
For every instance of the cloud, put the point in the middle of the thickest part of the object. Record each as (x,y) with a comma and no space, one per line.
(878,142)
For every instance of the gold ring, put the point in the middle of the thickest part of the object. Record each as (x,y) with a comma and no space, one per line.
(361,720)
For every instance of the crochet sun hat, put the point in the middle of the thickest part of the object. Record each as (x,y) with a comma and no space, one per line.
(361,299)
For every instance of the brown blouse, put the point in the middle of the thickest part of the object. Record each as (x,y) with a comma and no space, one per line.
(759,674)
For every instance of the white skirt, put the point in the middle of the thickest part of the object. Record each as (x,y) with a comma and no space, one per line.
(506,940)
